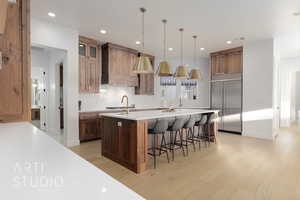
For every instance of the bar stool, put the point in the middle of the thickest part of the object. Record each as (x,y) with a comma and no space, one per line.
(209,135)
(189,137)
(204,129)
(200,122)
(157,127)
(177,129)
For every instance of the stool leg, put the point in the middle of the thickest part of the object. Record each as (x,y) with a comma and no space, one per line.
(181,141)
(199,136)
(193,141)
(172,144)
(154,152)
(164,144)
(186,141)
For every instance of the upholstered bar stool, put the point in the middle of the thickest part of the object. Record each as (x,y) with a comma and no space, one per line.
(175,130)
(206,135)
(200,122)
(209,134)
(189,130)
(158,127)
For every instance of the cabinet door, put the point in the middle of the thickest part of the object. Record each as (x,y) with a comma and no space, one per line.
(88,129)
(214,65)
(218,64)
(234,63)
(110,142)
(93,75)
(89,65)
(15,73)
(126,142)
(146,82)
(82,67)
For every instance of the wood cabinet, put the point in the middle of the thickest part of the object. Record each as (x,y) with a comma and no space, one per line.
(146,81)
(89,66)
(89,129)
(117,65)
(35,114)
(15,73)
(125,142)
(227,62)
(234,62)
(218,64)
(3,15)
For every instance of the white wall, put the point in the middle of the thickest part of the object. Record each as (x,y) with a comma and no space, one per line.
(258,89)
(297,101)
(55,36)
(288,90)
(47,60)
(55,58)
(111,95)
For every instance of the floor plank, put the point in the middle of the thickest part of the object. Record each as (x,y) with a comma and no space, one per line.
(236,168)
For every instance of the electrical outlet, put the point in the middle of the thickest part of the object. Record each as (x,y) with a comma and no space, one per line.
(119,124)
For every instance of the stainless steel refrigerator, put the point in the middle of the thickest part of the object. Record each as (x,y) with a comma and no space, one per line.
(226,96)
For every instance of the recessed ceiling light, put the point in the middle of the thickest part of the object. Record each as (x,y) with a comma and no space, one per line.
(103,31)
(202,49)
(170,49)
(51,14)
(296,13)
(137,42)
(229,42)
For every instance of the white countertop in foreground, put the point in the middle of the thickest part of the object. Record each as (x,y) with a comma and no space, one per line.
(34,166)
(155,114)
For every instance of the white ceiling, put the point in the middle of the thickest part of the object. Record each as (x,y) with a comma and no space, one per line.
(214,21)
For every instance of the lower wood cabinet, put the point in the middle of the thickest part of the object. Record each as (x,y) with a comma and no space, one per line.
(119,140)
(89,129)
(125,142)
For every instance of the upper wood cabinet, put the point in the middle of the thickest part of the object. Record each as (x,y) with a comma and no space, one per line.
(3,15)
(227,62)
(89,66)
(146,82)
(218,64)
(117,65)
(234,62)
(15,73)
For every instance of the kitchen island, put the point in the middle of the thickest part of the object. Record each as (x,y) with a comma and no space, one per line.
(34,166)
(125,135)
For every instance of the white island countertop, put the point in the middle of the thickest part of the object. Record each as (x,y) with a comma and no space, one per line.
(34,166)
(155,114)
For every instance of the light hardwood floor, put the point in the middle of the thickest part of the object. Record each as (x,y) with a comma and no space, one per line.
(238,168)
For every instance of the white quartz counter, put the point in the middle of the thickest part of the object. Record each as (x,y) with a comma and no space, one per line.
(34,166)
(155,114)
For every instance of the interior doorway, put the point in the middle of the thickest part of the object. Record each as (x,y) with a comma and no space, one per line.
(47,90)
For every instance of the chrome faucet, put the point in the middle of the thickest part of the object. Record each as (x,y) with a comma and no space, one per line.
(180,102)
(123,98)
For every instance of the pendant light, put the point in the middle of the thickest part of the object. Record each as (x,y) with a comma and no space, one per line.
(164,68)
(181,71)
(143,66)
(195,74)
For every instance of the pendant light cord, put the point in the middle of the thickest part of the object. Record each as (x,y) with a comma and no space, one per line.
(143,10)
(195,49)
(165,39)
(181,45)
